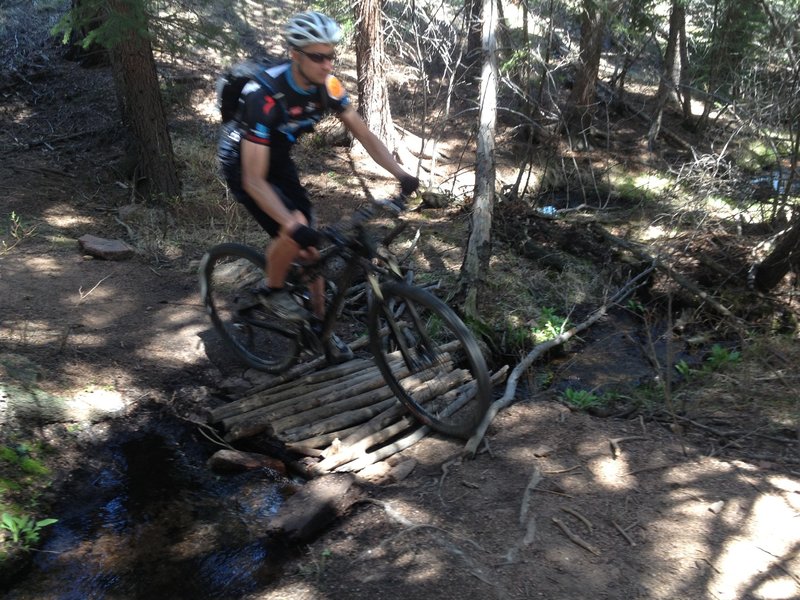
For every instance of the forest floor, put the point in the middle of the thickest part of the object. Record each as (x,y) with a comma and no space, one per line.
(559,505)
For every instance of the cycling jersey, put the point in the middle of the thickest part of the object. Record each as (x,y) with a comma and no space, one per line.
(277,117)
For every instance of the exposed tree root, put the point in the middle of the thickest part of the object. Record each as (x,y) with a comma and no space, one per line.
(471,446)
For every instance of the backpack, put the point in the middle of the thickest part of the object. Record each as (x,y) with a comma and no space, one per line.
(233,80)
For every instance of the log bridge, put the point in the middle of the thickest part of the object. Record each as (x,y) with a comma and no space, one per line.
(341,418)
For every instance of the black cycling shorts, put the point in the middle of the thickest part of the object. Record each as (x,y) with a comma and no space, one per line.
(287,185)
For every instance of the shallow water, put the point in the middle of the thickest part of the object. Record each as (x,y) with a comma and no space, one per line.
(150,521)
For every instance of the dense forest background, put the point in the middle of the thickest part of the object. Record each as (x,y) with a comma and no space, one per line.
(715,84)
(629,168)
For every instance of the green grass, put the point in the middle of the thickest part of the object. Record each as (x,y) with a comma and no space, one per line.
(584,399)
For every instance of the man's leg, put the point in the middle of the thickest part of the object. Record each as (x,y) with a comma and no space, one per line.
(280,254)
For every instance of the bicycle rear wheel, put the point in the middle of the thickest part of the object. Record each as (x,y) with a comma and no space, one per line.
(429,359)
(229,276)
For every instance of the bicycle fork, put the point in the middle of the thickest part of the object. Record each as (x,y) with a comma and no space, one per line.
(416,353)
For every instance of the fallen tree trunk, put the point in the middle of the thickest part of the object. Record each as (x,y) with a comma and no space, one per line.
(472,444)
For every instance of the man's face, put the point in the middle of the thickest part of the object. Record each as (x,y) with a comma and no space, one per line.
(314,62)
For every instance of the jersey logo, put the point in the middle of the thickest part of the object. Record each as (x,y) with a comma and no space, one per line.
(269,103)
(295,111)
(335,88)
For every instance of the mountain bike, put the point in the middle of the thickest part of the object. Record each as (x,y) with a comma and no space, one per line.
(416,339)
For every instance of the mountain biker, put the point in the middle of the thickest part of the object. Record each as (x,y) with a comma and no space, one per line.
(255,155)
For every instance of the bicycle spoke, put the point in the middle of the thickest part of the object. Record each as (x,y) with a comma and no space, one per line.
(230,274)
(447,386)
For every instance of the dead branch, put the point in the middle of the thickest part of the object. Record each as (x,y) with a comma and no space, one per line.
(677,277)
(578,516)
(536,477)
(623,533)
(562,471)
(615,442)
(511,385)
(576,539)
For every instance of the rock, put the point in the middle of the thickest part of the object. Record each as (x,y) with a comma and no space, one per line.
(105,249)
(402,470)
(232,461)
(375,473)
(314,507)
(384,472)
(433,199)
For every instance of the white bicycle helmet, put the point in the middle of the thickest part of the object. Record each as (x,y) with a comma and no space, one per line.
(311,27)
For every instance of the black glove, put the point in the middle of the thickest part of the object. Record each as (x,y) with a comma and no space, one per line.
(305,236)
(408,184)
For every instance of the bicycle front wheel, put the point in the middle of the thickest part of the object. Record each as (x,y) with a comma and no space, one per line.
(429,359)
(229,277)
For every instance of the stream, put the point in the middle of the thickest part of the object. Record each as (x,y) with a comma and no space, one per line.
(145,518)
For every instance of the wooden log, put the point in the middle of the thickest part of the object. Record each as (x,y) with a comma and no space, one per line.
(261,420)
(352,410)
(361,440)
(374,425)
(460,397)
(352,402)
(331,417)
(314,507)
(256,399)
(278,393)
(339,421)
(368,379)
(386,451)
(233,461)
(321,441)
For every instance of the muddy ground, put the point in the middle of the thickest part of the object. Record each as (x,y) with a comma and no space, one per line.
(559,504)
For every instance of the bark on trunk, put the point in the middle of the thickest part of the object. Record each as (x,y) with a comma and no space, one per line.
(669,77)
(373,94)
(135,76)
(775,266)
(476,259)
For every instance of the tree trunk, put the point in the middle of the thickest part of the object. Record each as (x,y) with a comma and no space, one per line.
(685,77)
(472,57)
(143,113)
(593,26)
(373,95)
(773,268)
(669,76)
(476,259)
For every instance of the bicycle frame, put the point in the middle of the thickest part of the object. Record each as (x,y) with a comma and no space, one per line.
(360,254)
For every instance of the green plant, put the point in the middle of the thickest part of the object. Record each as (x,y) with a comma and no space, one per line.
(635,306)
(548,326)
(721,357)
(582,399)
(23,529)
(18,232)
(684,369)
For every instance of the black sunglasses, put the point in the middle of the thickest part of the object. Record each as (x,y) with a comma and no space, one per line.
(318,57)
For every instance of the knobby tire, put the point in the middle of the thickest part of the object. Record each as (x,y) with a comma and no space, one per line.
(229,276)
(418,342)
